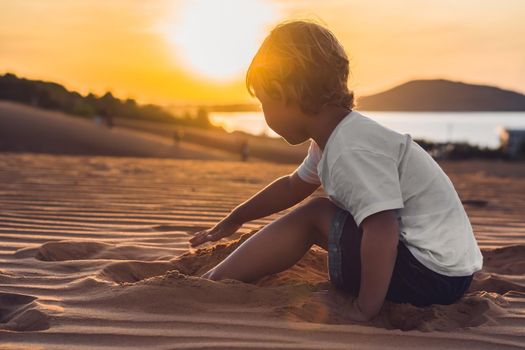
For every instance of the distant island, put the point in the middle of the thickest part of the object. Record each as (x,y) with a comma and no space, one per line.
(419,95)
(415,95)
(424,95)
(443,95)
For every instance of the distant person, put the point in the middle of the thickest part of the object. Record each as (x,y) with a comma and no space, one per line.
(393,224)
(177,136)
(245,150)
(104,118)
(98,119)
(109,121)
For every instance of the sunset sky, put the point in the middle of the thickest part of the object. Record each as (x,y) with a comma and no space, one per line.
(197,51)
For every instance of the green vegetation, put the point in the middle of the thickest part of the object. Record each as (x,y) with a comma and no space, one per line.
(54,96)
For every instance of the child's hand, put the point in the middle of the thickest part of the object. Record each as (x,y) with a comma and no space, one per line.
(223,229)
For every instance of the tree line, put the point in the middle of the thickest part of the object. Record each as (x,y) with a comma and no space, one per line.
(54,96)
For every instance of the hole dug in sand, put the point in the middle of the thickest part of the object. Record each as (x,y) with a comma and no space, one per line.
(20,313)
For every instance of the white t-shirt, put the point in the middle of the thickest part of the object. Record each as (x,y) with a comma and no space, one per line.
(366,168)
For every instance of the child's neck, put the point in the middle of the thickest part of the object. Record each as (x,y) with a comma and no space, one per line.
(323,124)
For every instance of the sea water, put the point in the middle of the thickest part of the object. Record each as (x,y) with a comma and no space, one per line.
(477,128)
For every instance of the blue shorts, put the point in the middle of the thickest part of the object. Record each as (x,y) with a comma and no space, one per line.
(411,282)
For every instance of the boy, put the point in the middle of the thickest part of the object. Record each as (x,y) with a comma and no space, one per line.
(393,224)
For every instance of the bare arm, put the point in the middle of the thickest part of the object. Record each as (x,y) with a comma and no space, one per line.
(281,194)
(378,256)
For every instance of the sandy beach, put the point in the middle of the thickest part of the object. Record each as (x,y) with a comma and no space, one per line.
(94,254)
(129,127)
(94,251)
(25,128)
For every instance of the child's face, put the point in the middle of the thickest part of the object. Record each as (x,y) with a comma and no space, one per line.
(285,119)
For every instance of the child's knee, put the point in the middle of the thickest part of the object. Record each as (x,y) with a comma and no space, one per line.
(321,203)
(321,211)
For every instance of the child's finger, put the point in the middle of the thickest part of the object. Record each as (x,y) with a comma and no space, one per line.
(199,237)
(215,236)
(195,238)
(197,242)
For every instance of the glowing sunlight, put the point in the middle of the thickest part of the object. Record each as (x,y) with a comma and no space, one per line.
(216,39)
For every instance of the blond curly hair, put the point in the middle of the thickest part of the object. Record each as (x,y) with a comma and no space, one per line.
(303,62)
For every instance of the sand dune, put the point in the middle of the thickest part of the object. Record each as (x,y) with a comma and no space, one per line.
(28,129)
(94,254)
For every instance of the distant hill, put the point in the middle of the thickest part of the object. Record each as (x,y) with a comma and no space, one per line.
(50,95)
(443,95)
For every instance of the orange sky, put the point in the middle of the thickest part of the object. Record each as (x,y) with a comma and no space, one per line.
(196,52)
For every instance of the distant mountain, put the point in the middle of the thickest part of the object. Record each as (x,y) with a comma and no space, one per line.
(443,95)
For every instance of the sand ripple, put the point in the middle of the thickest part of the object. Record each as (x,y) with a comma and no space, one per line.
(95,251)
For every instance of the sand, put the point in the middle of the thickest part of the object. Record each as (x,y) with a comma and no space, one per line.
(28,129)
(25,128)
(94,253)
(274,150)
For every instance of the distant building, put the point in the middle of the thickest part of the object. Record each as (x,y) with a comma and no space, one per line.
(513,142)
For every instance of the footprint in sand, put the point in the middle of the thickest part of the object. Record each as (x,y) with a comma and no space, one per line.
(19,313)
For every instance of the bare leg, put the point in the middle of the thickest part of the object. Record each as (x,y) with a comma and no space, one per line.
(280,244)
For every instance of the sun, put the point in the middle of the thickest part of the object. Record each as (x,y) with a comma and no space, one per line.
(217,39)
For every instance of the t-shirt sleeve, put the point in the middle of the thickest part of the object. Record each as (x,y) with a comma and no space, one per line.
(366,182)
(307,171)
